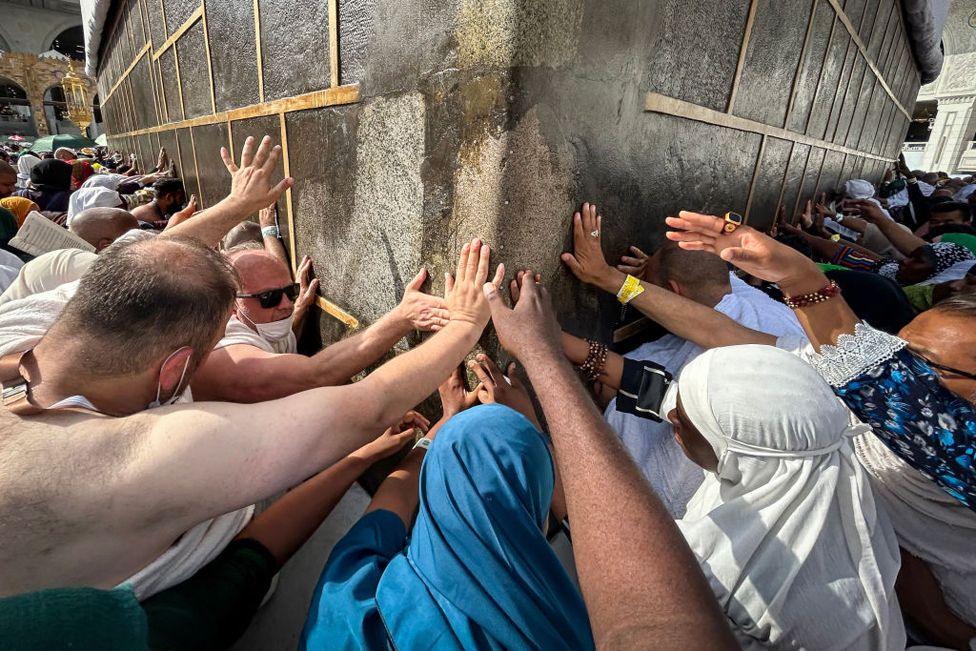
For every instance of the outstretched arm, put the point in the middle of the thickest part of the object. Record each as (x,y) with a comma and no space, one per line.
(902,239)
(765,258)
(637,574)
(244,373)
(251,190)
(228,456)
(685,318)
(292,519)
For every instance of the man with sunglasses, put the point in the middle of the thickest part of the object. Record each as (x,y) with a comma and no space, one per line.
(256,360)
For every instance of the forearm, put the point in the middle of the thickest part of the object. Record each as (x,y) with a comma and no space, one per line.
(210,225)
(903,240)
(344,359)
(577,350)
(407,379)
(399,492)
(274,247)
(291,520)
(622,535)
(685,318)
(823,322)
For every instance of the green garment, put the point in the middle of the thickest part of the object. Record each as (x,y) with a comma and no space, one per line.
(920,296)
(826,266)
(214,607)
(963,239)
(72,618)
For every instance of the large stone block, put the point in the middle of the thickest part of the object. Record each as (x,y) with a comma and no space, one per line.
(230,26)
(769,182)
(769,70)
(682,63)
(214,179)
(295,61)
(194,72)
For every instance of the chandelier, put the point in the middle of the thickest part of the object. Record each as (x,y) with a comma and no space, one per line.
(76,97)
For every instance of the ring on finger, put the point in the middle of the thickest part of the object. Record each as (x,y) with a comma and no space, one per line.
(595,234)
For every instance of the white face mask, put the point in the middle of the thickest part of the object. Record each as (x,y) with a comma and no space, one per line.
(159,385)
(272,331)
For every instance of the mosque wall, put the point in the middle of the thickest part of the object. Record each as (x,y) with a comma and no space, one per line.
(412,126)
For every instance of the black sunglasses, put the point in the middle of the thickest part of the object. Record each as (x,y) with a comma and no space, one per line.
(947,369)
(272,297)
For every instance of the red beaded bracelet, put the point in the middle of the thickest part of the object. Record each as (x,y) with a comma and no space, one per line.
(830,290)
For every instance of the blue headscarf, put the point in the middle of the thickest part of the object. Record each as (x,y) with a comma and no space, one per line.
(478,572)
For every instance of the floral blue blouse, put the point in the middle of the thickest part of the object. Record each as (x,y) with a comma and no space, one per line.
(899,395)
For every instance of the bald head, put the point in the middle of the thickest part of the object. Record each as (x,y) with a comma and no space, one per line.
(102,226)
(700,276)
(259,272)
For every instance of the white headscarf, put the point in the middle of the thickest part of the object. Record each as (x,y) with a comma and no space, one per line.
(787,530)
(859,189)
(85,198)
(24,166)
(110,181)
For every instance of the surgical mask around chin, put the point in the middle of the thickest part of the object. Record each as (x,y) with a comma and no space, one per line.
(272,331)
(159,385)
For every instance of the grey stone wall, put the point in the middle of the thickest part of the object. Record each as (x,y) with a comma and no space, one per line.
(497,117)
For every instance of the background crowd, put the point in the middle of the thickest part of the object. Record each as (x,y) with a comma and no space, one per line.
(790,466)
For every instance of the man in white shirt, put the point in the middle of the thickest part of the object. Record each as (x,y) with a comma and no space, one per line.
(256,359)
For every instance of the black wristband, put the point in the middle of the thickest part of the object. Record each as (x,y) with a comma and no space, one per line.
(642,389)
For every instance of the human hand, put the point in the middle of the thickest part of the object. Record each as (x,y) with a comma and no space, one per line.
(463,292)
(637,264)
(502,388)
(266,216)
(162,162)
(902,167)
(868,211)
(806,217)
(587,261)
(308,288)
(394,438)
(529,329)
(745,247)
(421,311)
(181,216)
(454,394)
(251,188)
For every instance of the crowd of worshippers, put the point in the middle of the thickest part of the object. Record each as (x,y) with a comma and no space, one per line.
(790,466)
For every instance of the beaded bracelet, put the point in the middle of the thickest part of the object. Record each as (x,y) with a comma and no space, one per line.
(830,290)
(592,367)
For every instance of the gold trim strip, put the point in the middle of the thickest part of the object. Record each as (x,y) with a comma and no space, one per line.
(657,103)
(125,73)
(334,42)
(337,312)
(256,10)
(196,168)
(316,99)
(286,165)
(181,30)
(864,53)
(743,50)
(206,45)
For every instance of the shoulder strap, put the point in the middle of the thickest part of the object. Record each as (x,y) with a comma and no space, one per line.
(14,386)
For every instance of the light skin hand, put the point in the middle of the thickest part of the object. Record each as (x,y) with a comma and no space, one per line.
(266,216)
(463,293)
(420,311)
(251,187)
(309,289)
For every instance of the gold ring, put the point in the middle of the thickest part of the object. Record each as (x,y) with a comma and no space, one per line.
(594,234)
(732,222)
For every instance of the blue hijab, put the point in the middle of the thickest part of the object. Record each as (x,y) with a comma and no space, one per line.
(478,571)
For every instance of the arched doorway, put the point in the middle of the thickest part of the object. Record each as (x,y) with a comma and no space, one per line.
(16,116)
(56,112)
(71,43)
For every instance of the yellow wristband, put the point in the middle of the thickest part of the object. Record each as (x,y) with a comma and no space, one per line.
(630,290)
